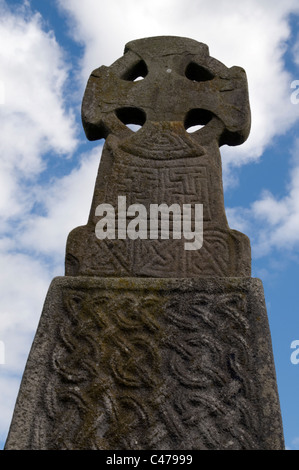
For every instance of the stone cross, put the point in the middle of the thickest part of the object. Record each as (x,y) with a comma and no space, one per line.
(123,361)
(180,86)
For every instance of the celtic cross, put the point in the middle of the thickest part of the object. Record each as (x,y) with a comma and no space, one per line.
(165,85)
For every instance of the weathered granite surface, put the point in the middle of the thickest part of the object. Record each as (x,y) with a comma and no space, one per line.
(145,345)
(162,163)
(150,364)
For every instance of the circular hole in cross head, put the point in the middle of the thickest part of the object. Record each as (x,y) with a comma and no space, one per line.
(132,117)
(196,119)
(198,73)
(137,72)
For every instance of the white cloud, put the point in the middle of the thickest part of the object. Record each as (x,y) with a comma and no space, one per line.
(33,115)
(67,202)
(272,222)
(280,219)
(34,120)
(20,301)
(238,219)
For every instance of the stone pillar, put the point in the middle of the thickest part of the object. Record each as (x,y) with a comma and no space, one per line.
(144,344)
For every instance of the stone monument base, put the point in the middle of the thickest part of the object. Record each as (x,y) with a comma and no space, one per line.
(156,364)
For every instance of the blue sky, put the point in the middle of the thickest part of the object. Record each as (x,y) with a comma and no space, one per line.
(48,48)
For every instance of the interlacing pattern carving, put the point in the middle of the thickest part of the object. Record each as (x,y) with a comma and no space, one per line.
(138,370)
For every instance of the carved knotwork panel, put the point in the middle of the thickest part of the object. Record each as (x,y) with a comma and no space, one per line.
(143,370)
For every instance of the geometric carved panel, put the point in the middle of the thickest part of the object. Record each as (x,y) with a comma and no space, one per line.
(148,182)
(222,255)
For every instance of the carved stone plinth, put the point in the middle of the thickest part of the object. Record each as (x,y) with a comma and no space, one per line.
(150,364)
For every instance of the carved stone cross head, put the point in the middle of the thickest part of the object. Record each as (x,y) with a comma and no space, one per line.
(166,85)
(181,86)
